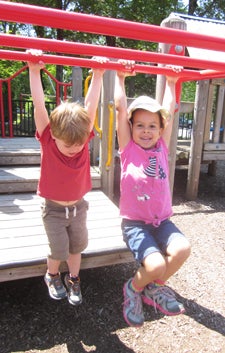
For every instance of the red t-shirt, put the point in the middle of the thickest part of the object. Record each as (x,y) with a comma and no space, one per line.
(63,178)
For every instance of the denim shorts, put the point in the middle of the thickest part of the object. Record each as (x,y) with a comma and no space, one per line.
(65,227)
(144,239)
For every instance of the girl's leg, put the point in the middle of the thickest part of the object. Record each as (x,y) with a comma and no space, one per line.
(162,297)
(154,267)
(176,254)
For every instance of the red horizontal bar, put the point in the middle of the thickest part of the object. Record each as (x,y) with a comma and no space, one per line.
(185,75)
(43,16)
(82,62)
(99,50)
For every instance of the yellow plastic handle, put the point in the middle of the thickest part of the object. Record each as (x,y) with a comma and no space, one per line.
(110,134)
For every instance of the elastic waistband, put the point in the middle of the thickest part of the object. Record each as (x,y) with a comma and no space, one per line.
(57,205)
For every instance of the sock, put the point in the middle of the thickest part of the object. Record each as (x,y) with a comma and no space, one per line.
(74,278)
(159,282)
(134,287)
(51,275)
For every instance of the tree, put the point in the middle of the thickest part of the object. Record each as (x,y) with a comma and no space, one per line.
(144,11)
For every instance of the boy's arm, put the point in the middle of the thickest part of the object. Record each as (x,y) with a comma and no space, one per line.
(169,103)
(92,97)
(40,112)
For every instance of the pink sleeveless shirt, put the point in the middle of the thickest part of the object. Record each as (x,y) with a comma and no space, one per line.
(63,178)
(145,190)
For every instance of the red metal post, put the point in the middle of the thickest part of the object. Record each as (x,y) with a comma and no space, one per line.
(2,110)
(10,108)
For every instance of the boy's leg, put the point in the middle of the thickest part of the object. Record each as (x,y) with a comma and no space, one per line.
(53,280)
(53,266)
(78,241)
(58,246)
(72,280)
(74,262)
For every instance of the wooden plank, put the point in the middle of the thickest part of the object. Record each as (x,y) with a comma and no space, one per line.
(214,147)
(213,155)
(209,113)
(25,178)
(218,118)
(218,81)
(24,245)
(14,273)
(19,144)
(197,139)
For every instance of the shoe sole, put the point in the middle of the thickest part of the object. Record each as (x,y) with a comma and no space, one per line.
(157,306)
(124,315)
(73,303)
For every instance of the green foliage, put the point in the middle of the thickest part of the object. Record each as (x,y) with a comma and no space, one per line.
(188,91)
(211,9)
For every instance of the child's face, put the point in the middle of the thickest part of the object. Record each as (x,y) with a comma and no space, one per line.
(68,150)
(146,129)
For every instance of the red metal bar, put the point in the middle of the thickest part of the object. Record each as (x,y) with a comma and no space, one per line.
(43,16)
(185,75)
(99,50)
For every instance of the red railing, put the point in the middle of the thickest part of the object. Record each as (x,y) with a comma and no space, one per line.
(9,94)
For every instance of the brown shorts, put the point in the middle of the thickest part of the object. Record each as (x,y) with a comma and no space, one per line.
(65,227)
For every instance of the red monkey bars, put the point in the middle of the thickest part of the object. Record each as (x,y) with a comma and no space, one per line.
(43,16)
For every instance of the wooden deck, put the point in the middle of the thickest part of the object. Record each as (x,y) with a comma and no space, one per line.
(23,243)
(20,165)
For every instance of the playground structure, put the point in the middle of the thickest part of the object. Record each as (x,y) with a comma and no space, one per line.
(172,38)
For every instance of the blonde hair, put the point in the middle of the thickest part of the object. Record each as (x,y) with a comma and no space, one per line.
(70,123)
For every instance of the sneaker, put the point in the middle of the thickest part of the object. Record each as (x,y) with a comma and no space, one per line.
(74,292)
(55,286)
(162,298)
(132,306)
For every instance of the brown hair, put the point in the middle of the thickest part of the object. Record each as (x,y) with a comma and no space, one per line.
(69,122)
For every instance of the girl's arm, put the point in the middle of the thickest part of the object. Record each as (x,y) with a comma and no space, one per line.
(40,112)
(122,124)
(169,103)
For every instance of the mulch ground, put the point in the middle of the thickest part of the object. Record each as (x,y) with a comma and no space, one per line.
(31,322)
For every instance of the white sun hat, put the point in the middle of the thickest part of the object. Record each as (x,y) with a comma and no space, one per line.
(147,103)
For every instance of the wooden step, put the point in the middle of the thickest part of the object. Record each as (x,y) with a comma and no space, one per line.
(19,151)
(25,178)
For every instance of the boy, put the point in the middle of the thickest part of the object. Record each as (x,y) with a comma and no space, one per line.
(64,178)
